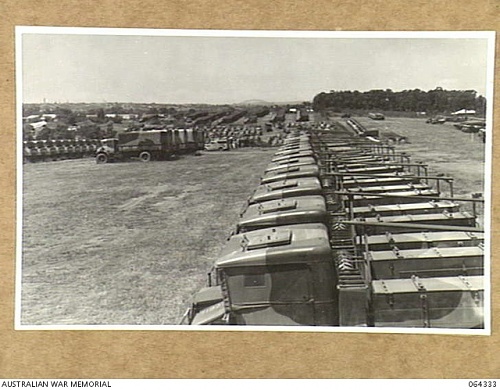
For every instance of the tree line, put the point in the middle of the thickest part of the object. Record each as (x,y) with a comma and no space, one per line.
(434,101)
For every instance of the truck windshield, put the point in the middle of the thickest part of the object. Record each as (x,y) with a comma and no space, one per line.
(108,142)
(271,284)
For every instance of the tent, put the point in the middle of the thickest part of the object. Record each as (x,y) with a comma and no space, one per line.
(463,111)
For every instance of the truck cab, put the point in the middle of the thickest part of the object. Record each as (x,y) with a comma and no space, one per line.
(63,149)
(54,150)
(34,151)
(44,150)
(92,145)
(84,149)
(106,151)
(275,276)
(27,155)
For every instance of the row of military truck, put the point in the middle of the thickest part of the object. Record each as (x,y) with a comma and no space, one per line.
(345,231)
(60,149)
(144,145)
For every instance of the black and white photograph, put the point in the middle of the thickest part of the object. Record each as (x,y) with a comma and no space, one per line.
(254,180)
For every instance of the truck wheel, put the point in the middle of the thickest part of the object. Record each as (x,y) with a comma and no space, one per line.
(145,156)
(101,158)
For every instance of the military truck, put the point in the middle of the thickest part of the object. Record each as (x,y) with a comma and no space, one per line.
(369,252)
(145,145)
(30,151)
(376,116)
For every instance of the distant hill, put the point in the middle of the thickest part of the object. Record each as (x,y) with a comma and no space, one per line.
(257,102)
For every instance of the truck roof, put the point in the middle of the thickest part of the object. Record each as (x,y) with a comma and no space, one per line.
(293,151)
(289,244)
(304,209)
(295,145)
(292,162)
(287,188)
(287,173)
(294,154)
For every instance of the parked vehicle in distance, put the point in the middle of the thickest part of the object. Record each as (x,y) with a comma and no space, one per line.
(217,144)
(439,120)
(376,116)
(472,126)
(146,145)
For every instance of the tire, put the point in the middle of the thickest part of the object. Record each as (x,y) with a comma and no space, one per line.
(145,156)
(101,158)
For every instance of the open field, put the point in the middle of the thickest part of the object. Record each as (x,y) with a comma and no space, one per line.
(127,243)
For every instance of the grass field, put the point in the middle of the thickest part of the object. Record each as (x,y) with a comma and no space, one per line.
(129,243)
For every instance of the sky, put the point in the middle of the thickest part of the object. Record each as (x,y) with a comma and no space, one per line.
(89,68)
